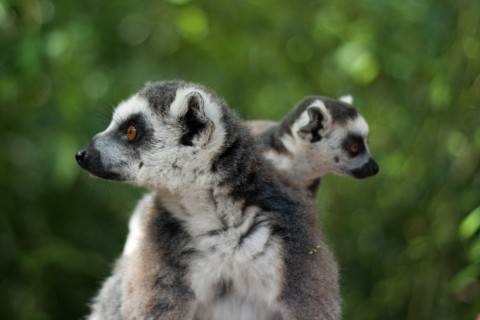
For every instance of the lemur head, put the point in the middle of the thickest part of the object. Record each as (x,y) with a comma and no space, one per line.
(328,136)
(167,133)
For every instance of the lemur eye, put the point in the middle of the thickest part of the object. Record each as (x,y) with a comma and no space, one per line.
(354,147)
(131,133)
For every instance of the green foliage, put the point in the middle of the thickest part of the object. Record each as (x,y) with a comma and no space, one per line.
(407,240)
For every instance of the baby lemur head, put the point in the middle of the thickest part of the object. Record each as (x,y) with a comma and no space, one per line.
(319,136)
(166,135)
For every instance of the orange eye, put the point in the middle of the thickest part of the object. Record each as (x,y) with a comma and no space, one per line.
(354,148)
(131,133)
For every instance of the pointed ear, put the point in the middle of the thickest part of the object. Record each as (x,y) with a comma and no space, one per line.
(316,120)
(347,99)
(197,126)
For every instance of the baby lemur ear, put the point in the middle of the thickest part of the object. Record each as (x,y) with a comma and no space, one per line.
(317,120)
(347,99)
(197,126)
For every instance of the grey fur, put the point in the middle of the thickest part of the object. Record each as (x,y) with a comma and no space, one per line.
(222,235)
(107,304)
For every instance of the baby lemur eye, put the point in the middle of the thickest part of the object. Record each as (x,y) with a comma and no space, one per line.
(131,133)
(354,148)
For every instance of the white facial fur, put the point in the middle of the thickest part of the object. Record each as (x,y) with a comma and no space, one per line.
(332,146)
(159,166)
(133,105)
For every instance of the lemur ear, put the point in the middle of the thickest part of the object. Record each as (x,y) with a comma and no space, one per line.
(316,120)
(347,99)
(197,126)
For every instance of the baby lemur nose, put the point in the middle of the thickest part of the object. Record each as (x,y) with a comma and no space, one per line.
(373,167)
(80,156)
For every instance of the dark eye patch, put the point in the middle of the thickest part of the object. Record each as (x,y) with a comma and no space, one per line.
(143,131)
(353,139)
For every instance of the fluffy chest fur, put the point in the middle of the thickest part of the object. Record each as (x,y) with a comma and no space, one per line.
(243,260)
(232,261)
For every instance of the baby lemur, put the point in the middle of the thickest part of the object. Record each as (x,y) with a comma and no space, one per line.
(222,235)
(339,146)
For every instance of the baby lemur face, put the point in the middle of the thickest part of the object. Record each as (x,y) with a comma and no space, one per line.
(347,145)
(153,133)
(319,136)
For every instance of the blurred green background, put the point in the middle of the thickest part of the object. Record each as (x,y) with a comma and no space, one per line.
(407,240)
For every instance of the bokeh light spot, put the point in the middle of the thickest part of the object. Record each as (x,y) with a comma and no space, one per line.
(329,24)
(134,29)
(178,2)
(192,23)
(474,251)
(455,141)
(3,16)
(96,85)
(471,48)
(355,60)
(57,44)
(165,41)
(440,94)
(471,224)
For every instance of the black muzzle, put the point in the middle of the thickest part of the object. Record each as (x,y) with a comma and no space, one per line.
(367,170)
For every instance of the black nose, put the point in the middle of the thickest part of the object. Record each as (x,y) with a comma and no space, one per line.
(80,156)
(367,170)
(374,167)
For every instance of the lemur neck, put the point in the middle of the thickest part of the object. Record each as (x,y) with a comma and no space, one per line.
(292,157)
(217,200)
(200,210)
(300,171)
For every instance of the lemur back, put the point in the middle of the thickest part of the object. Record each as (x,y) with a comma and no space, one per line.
(222,235)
